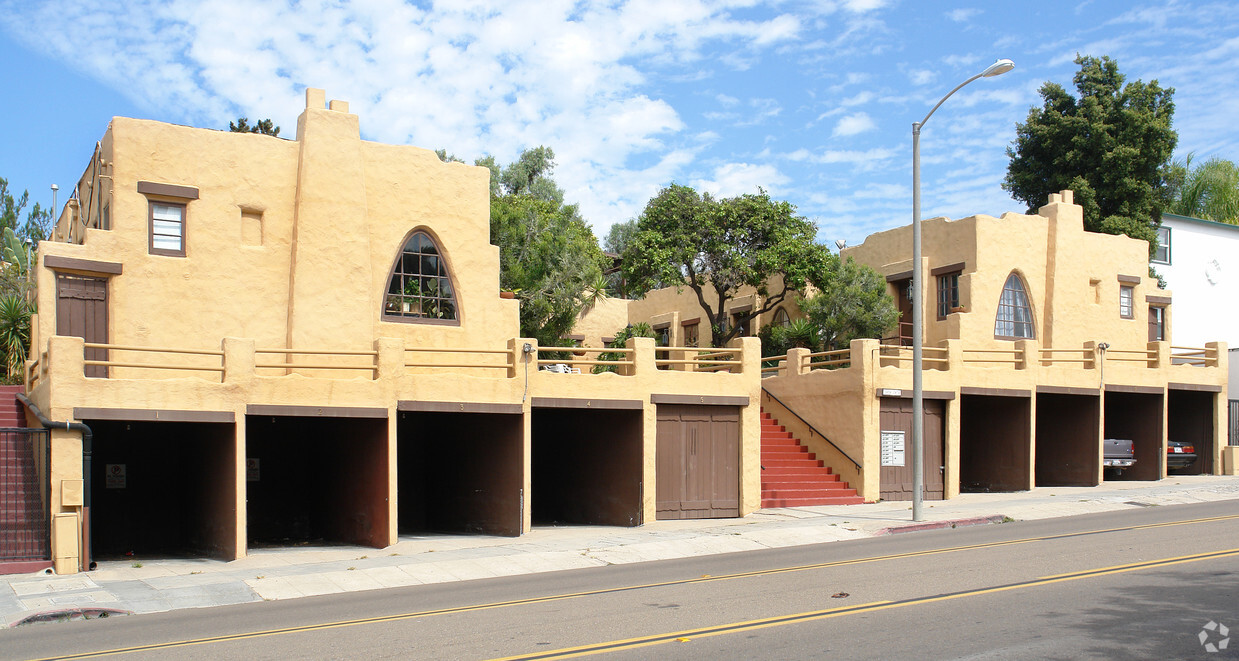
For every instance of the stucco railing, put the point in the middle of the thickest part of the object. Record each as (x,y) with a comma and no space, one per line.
(700,360)
(932,357)
(1131,356)
(827,360)
(433,358)
(1012,356)
(605,359)
(161,354)
(1194,356)
(318,359)
(1070,356)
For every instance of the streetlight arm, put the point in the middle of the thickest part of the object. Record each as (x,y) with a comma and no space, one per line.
(917,126)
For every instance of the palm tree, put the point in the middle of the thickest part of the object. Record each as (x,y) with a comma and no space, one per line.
(14,336)
(1209,191)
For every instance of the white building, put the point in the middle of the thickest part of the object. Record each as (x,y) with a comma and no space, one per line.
(1199,259)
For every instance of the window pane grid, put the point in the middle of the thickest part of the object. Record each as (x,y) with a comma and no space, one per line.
(420,287)
(1125,302)
(1014,318)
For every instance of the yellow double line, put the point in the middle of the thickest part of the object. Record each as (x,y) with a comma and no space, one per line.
(703,579)
(750,625)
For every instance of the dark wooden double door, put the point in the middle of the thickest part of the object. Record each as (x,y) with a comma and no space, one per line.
(896,416)
(697,464)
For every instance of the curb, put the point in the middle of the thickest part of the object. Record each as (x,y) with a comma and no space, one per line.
(949,523)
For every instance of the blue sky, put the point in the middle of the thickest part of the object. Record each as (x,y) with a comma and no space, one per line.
(812,100)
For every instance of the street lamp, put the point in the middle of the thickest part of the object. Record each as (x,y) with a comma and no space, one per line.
(918,423)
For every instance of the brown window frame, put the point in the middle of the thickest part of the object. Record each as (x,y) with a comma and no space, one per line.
(150,228)
(444,265)
(692,329)
(948,293)
(1127,301)
(1014,306)
(1159,312)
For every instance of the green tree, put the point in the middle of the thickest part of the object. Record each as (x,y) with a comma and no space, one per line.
(1209,190)
(716,247)
(14,336)
(38,223)
(547,253)
(1111,145)
(263,126)
(852,303)
(619,236)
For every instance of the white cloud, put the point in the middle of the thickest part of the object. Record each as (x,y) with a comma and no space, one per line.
(854,124)
(733,179)
(921,76)
(962,15)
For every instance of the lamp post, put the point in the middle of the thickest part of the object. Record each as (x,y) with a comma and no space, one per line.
(918,404)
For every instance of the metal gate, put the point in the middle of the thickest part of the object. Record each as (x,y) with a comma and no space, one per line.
(25,534)
(1234,422)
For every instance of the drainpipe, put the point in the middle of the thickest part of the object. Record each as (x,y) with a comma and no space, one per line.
(88,558)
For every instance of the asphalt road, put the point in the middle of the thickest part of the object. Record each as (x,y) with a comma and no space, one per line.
(1122,585)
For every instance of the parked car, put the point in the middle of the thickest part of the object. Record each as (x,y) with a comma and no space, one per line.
(1180,454)
(1118,453)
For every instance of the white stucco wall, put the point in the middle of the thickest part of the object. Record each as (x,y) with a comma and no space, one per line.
(1203,275)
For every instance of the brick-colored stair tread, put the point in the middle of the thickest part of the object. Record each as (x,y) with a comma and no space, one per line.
(792,476)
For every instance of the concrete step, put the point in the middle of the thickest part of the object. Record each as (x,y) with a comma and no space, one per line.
(792,463)
(807,502)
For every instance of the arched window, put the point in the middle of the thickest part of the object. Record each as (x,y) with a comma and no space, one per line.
(781,318)
(420,287)
(1014,318)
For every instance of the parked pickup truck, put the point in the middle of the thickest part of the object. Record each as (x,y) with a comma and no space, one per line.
(1119,453)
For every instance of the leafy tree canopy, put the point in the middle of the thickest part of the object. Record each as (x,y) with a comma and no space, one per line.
(852,303)
(1111,145)
(263,126)
(547,253)
(1209,190)
(619,236)
(38,222)
(717,246)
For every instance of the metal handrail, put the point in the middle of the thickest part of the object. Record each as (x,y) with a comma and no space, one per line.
(813,429)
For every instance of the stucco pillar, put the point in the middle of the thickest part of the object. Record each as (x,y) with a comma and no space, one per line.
(520,357)
(750,354)
(1029,354)
(954,357)
(1218,351)
(1160,352)
(238,360)
(797,358)
(1091,359)
(864,352)
(642,356)
(390,359)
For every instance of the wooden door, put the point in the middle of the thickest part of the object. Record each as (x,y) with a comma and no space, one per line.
(82,311)
(697,462)
(896,480)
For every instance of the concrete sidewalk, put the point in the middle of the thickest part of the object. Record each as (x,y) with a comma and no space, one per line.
(144,585)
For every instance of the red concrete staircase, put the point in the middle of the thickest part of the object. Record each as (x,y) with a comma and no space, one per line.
(794,477)
(23,521)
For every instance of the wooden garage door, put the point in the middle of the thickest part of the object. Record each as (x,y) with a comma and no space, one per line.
(698,460)
(82,311)
(896,481)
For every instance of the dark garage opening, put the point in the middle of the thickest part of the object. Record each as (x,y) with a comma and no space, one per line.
(1190,418)
(1068,447)
(994,448)
(586,466)
(316,480)
(1137,417)
(163,489)
(460,472)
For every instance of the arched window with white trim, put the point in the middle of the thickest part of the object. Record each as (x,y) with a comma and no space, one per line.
(1014,318)
(420,286)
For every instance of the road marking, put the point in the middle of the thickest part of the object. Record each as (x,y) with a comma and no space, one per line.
(751,625)
(626,588)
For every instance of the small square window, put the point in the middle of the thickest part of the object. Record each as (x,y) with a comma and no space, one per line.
(1126,302)
(167,229)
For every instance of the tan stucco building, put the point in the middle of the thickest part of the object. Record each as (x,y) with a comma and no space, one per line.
(1041,340)
(281,341)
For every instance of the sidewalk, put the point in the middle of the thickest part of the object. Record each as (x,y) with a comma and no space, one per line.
(143,585)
